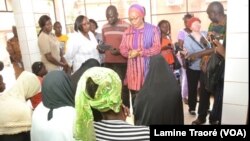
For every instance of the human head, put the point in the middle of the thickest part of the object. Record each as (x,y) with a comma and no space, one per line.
(165,27)
(186,18)
(39,69)
(93,25)
(99,88)
(136,15)
(14,31)
(58,28)
(112,15)
(194,24)
(81,24)
(2,84)
(57,91)
(45,23)
(215,11)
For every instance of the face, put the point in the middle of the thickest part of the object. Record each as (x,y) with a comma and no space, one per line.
(2,84)
(58,28)
(164,28)
(186,21)
(112,16)
(135,20)
(212,15)
(43,71)
(48,26)
(196,26)
(85,25)
(92,27)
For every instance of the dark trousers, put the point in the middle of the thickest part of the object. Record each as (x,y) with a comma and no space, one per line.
(121,69)
(193,77)
(216,112)
(204,99)
(24,136)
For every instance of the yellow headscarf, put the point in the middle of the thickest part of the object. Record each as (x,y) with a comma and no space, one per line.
(107,97)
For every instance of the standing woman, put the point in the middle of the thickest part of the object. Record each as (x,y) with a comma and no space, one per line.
(51,53)
(139,42)
(166,42)
(82,44)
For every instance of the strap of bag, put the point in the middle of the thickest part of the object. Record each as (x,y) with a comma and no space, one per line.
(196,41)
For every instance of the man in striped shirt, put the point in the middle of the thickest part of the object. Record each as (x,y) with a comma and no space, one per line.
(112,35)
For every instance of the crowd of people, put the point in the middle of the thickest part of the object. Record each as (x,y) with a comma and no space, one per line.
(81,88)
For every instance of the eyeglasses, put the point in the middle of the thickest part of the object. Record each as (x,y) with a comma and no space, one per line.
(133,19)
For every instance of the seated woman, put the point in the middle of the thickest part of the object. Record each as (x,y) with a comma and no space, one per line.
(15,119)
(159,101)
(53,118)
(100,88)
(38,68)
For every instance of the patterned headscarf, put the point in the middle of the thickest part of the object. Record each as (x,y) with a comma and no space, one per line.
(138,9)
(107,97)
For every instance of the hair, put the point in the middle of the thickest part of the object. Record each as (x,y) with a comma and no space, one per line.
(94,22)
(42,22)
(78,23)
(187,16)
(57,22)
(91,87)
(36,67)
(217,7)
(1,65)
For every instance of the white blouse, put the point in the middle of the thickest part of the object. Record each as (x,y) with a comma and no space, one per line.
(80,49)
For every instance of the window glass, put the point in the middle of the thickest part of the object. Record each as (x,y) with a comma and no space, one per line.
(2,5)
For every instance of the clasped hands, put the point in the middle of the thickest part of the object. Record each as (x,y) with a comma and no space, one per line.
(134,53)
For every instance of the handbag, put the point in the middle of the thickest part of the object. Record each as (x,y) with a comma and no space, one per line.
(214,71)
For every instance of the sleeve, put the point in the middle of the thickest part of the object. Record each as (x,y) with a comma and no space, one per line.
(181,35)
(156,47)
(72,49)
(123,47)
(44,44)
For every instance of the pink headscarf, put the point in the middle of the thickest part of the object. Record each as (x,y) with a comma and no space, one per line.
(138,9)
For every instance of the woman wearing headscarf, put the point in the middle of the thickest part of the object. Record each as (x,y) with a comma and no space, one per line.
(100,88)
(53,118)
(15,119)
(159,101)
(139,42)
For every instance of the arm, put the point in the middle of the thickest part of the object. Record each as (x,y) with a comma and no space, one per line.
(124,49)
(72,49)
(219,48)
(11,52)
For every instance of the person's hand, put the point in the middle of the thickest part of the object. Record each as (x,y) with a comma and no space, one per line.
(100,49)
(114,51)
(134,53)
(192,57)
(219,48)
(126,110)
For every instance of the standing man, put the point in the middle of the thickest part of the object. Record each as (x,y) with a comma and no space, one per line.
(15,53)
(217,28)
(112,35)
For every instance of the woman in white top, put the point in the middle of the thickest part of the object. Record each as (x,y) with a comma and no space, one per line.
(81,44)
